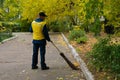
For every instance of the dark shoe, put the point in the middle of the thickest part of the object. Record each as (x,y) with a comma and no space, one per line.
(35,67)
(45,68)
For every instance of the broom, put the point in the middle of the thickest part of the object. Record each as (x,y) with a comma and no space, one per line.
(66,59)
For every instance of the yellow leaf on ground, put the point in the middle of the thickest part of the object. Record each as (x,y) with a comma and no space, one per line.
(76,64)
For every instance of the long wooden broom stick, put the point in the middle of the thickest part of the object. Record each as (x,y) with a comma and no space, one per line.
(66,59)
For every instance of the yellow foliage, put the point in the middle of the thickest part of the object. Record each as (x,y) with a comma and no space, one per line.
(2,29)
(55,9)
(76,64)
(76,27)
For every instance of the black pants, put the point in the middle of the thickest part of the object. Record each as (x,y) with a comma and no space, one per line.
(36,46)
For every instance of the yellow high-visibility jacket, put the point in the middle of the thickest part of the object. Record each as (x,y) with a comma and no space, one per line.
(37,28)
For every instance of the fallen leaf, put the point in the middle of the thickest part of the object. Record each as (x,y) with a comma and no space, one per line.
(60,78)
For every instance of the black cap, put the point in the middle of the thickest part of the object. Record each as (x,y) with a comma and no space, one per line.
(42,14)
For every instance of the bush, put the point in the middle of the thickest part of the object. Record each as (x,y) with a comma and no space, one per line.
(117,31)
(78,35)
(14,26)
(106,56)
(54,26)
(82,39)
(24,25)
(5,34)
(59,26)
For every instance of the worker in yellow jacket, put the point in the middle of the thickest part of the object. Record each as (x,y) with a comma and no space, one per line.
(40,35)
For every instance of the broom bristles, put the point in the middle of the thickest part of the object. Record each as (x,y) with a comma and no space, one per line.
(69,62)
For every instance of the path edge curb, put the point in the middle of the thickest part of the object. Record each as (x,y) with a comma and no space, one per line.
(83,66)
(11,38)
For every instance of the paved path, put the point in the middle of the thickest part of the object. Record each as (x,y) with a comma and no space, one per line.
(15,60)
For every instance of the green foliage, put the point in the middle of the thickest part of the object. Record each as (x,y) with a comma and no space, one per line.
(112,12)
(1,14)
(24,25)
(1,3)
(59,26)
(93,9)
(74,34)
(13,26)
(82,39)
(117,31)
(5,34)
(54,26)
(117,34)
(78,35)
(95,28)
(79,11)
(21,26)
(105,56)
(11,10)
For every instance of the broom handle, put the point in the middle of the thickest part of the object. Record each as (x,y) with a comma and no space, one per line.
(55,46)
(65,58)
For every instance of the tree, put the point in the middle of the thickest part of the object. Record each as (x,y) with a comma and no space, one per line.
(1,9)
(55,9)
(112,12)
(76,12)
(1,3)
(93,9)
(11,9)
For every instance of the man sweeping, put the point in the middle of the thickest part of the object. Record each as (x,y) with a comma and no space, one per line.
(40,35)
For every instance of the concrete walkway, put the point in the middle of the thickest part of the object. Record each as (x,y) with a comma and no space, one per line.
(15,60)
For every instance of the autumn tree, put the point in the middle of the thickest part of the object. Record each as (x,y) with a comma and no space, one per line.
(93,9)
(54,8)
(112,11)
(76,12)
(11,9)
(1,9)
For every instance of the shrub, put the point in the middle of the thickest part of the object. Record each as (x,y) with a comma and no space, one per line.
(78,35)
(54,27)
(5,34)
(76,27)
(82,39)
(106,56)
(59,26)
(117,31)
(24,26)
(14,26)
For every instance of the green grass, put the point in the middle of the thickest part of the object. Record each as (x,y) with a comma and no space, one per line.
(3,37)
